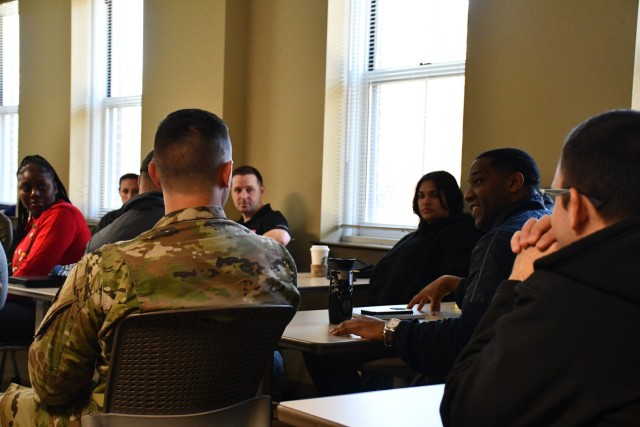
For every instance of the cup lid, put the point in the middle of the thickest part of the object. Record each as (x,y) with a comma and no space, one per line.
(319,247)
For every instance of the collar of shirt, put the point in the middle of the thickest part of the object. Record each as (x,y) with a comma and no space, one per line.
(188,214)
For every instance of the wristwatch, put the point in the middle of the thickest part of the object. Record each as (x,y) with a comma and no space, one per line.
(388,331)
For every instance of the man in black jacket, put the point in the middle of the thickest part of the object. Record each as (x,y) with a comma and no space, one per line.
(558,345)
(503,194)
(137,215)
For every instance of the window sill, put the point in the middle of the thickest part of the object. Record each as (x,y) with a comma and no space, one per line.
(360,245)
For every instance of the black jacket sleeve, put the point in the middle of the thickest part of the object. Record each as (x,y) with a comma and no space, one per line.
(492,384)
(432,347)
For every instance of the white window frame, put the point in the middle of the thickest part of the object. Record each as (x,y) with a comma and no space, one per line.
(9,120)
(358,134)
(108,148)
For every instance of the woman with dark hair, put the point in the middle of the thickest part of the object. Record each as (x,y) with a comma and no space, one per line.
(50,231)
(442,244)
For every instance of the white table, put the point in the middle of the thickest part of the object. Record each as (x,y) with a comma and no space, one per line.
(397,407)
(308,331)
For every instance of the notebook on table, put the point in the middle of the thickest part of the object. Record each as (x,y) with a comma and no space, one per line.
(389,312)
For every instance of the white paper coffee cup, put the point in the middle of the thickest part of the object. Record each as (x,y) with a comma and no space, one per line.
(319,254)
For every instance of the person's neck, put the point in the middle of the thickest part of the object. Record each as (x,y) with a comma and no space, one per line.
(179,201)
(147,185)
(247,217)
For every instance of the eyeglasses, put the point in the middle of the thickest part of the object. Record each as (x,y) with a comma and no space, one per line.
(553,192)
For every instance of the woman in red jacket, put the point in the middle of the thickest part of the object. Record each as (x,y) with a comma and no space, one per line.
(50,231)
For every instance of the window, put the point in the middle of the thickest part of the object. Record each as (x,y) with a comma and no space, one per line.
(404,98)
(9,98)
(117,100)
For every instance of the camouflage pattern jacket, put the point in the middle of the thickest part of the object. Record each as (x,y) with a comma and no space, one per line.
(191,258)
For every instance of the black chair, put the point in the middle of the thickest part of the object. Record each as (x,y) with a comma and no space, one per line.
(191,367)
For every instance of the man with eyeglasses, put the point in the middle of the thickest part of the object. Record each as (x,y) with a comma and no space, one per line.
(559,343)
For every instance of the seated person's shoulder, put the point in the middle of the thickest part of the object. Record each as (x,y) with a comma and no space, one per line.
(64,208)
(463,224)
(107,219)
(276,220)
(5,219)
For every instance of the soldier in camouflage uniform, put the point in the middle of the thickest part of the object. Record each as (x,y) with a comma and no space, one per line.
(193,257)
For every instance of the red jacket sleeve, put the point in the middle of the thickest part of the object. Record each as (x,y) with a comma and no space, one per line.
(57,232)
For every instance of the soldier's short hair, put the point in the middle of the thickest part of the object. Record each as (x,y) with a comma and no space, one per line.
(190,145)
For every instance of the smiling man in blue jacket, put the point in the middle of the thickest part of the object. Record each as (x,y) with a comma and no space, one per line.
(503,194)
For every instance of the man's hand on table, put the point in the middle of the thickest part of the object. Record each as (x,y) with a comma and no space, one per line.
(366,327)
(434,292)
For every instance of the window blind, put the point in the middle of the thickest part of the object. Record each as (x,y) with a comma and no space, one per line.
(404,106)
(9,99)
(106,127)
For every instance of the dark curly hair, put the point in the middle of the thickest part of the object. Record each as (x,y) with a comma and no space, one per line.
(512,160)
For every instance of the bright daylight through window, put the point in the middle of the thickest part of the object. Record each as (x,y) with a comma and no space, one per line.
(117,94)
(9,95)
(404,107)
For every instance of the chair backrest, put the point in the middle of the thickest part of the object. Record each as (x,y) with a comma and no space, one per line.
(192,360)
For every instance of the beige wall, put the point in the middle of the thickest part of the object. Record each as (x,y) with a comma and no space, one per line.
(183,60)
(45,52)
(285,110)
(535,69)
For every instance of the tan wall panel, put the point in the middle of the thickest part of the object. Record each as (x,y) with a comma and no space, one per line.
(285,110)
(535,69)
(235,76)
(183,60)
(45,69)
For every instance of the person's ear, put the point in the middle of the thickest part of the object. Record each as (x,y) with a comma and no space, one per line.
(226,171)
(577,210)
(515,182)
(153,173)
